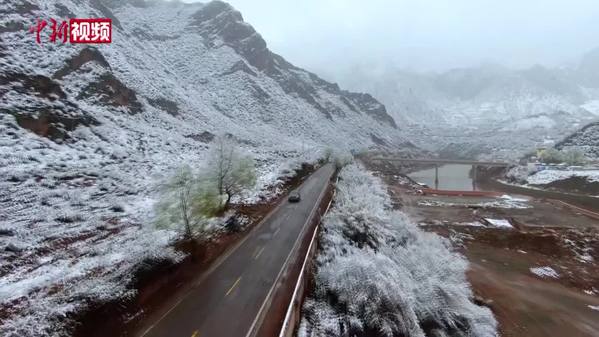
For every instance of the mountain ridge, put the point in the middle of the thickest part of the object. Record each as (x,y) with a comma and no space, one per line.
(488,106)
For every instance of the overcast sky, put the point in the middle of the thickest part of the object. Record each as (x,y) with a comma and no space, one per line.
(425,34)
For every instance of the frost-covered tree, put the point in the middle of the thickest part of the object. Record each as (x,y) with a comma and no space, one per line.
(551,156)
(339,158)
(327,154)
(229,170)
(186,202)
(570,156)
(573,157)
(342,159)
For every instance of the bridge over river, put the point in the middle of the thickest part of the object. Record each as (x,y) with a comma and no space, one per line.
(437,163)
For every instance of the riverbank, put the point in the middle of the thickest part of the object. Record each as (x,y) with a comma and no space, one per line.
(490,183)
(532,261)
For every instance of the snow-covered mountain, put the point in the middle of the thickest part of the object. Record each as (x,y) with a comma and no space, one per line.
(87,132)
(201,64)
(488,108)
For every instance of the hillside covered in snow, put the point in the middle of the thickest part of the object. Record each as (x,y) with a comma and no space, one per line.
(586,140)
(87,133)
(488,109)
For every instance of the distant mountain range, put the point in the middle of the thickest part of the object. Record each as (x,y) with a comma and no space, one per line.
(488,109)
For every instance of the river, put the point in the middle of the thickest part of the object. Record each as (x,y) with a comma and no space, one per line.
(454,177)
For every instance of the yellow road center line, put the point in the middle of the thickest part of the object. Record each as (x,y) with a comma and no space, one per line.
(195,333)
(233,286)
(260,252)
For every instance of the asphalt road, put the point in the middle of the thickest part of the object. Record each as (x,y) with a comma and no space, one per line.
(228,301)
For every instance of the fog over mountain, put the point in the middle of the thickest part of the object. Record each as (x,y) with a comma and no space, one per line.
(327,36)
(466,78)
(487,110)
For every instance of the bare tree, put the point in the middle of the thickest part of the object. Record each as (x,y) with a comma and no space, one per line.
(231,171)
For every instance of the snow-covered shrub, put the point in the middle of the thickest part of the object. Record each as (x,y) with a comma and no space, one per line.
(574,156)
(517,174)
(379,275)
(552,156)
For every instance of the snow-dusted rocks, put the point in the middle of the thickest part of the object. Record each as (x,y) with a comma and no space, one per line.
(499,223)
(377,273)
(544,272)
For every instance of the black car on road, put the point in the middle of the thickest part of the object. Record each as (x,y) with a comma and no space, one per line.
(294,196)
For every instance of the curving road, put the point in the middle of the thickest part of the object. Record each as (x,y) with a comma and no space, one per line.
(231,300)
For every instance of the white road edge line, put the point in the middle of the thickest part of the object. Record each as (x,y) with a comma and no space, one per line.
(259,253)
(217,264)
(272,288)
(301,275)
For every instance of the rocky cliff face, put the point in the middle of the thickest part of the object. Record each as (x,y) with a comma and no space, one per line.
(200,60)
(219,22)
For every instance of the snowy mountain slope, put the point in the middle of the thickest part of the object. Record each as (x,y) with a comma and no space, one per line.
(87,133)
(585,139)
(488,105)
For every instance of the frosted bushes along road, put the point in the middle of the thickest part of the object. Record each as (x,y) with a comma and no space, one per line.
(379,275)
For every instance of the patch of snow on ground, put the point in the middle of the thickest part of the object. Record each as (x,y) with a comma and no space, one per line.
(548,176)
(499,223)
(544,272)
(440,223)
(473,224)
(499,203)
(509,197)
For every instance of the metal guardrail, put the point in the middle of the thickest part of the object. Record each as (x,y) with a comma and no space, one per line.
(266,304)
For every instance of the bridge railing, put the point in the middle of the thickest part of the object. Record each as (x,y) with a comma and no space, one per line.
(443,161)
